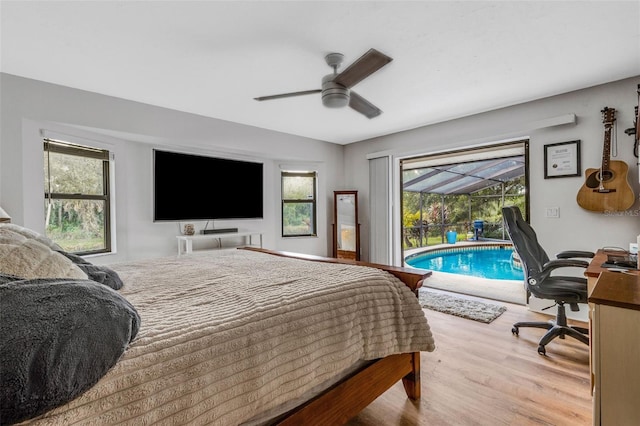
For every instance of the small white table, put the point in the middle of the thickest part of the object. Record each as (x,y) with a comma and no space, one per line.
(185,242)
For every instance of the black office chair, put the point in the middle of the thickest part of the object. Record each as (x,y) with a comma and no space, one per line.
(542,284)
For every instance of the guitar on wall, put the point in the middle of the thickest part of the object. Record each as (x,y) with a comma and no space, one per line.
(607,189)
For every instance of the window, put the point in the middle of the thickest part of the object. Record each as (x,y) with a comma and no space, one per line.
(298,204)
(451,191)
(76,196)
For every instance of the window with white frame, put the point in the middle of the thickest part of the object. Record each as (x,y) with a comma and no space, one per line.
(77,197)
(299,204)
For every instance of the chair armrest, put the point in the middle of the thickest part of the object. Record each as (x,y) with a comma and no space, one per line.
(563,263)
(537,277)
(574,253)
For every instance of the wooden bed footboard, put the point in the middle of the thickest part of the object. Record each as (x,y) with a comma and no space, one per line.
(412,278)
(344,400)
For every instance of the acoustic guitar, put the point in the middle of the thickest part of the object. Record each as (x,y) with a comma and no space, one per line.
(607,189)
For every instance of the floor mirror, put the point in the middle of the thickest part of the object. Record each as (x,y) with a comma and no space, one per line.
(346,229)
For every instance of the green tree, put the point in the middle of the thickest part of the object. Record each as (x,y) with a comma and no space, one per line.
(76,224)
(460,211)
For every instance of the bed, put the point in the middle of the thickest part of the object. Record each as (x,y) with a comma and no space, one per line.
(248,336)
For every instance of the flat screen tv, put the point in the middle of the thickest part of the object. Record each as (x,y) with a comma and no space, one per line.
(198,187)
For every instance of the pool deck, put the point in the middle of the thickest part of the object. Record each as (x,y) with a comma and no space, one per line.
(465,243)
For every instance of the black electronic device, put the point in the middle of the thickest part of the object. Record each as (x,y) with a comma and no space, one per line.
(188,187)
(219,231)
(629,261)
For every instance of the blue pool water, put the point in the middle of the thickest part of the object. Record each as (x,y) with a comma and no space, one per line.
(484,262)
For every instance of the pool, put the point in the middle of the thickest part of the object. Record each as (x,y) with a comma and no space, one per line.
(494,262)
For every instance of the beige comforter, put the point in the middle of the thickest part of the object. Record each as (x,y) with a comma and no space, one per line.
(229,335)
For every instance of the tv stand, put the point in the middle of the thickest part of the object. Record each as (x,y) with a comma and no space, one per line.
(185,242)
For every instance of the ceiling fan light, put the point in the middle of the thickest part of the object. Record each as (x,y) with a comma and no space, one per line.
(335,100)
(334,95)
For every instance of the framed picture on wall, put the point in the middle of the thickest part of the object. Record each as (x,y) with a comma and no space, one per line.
(562,159)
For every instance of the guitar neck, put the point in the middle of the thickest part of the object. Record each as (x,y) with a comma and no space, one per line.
(609,116)
(606,148)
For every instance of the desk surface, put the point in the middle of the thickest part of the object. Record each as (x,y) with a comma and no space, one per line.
(620,289)
(595,266)
(617,289)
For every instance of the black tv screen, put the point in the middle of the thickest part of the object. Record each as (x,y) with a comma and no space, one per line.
(197,187)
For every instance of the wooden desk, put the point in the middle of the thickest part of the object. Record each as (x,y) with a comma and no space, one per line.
(617,289)
(595,268)
(614,321)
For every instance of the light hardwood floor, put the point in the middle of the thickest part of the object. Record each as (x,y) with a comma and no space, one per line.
(481,374)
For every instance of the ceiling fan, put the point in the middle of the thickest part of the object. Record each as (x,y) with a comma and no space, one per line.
(336,88)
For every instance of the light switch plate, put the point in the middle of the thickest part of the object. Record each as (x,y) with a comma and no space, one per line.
(553,212)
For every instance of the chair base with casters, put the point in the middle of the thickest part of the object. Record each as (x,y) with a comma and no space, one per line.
(555,328)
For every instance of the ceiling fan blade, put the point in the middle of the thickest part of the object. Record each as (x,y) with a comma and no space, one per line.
(287,95)
(363,106)
(366,65)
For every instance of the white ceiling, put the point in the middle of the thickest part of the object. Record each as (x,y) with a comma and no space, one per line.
(450,59)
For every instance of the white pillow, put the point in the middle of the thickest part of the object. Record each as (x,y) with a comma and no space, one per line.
(31,234)
(29,258)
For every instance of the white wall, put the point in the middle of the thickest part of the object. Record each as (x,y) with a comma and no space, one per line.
(131,130)
(576,228)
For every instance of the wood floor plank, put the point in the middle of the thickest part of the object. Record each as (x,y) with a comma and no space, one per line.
(481,374)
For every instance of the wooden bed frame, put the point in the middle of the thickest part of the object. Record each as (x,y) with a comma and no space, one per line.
(347,398)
